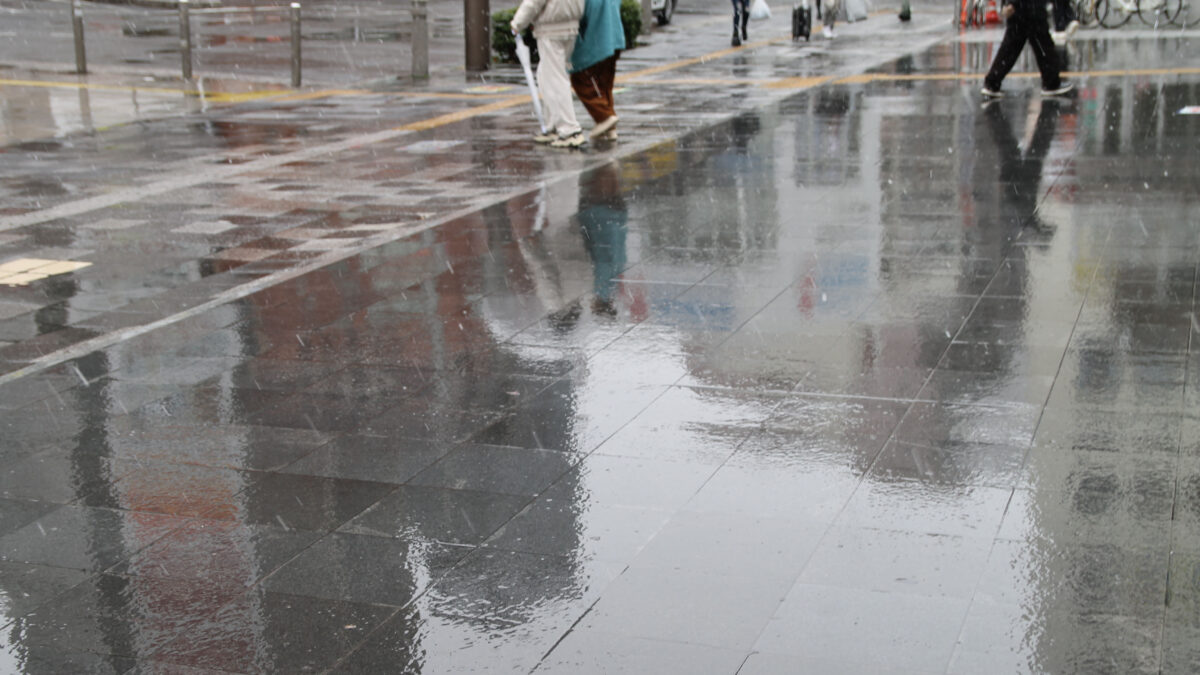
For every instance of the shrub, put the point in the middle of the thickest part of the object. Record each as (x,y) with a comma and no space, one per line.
(503,44)
(505,47)
(631,21)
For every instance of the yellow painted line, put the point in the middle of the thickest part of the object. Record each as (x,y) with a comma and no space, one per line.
(217,96)
(87,85)
(240,97)
(798,82)
(674,65)
(450,118)
(722,82)
(866,78)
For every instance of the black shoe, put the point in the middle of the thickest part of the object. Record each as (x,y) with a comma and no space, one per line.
(737,41)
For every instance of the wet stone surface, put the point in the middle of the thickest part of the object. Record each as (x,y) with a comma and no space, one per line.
(857,376)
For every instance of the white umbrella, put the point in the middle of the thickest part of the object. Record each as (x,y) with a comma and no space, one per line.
(523,56)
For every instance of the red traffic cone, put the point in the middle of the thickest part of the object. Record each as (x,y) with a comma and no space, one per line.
(992,16)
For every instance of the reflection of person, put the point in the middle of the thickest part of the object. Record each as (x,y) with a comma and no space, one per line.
(555,25)
(594,63)
(1026,22)
(1021,173)
(602,215)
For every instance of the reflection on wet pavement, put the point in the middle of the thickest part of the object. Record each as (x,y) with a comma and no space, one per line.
(871,379)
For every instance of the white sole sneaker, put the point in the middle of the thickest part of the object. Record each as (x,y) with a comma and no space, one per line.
(603,127)
(1063,88)
(575,140)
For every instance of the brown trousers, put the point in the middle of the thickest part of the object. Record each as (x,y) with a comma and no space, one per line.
(594,87)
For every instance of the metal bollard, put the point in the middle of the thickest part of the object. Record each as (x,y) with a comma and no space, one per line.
(77,28)
(185,38)
(295,44)
(420,39)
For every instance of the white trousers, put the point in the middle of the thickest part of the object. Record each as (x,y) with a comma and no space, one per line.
(555,85)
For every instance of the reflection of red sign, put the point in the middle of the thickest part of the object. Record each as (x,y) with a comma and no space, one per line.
(1189,110)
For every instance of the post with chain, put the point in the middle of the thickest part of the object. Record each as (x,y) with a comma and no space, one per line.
(185,39)
(420,39)
(77,28)
(295,44)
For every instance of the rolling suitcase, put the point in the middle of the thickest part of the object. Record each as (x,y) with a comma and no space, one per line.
(801,21)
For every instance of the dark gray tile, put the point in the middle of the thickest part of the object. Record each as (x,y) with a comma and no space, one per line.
(275,632)
(438,514)
(503,470)
(378,570)
(302,502)
(385,460)
(221,554)
(85,538)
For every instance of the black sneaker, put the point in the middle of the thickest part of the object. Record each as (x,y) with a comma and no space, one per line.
(1064,87)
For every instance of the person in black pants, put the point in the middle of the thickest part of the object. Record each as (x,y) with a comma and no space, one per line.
(741,15)
(1026,22)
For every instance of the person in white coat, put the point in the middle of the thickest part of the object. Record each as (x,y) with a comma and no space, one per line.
(555,25)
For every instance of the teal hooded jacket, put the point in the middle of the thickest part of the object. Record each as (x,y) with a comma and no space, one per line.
(600,34)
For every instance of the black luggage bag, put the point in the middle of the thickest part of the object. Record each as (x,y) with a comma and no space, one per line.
(801,22)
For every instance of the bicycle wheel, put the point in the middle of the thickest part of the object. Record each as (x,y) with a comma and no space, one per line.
(1157,13)
(1189,14)
(1111,15)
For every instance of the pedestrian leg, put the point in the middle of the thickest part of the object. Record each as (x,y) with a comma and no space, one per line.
(1045,53)
(1006,54)
(831,11)
(555,85)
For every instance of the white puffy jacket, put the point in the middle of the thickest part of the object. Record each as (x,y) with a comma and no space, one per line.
(550,18)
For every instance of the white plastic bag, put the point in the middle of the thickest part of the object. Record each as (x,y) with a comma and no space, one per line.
(759,10)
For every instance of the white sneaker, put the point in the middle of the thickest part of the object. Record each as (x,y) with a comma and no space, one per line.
(1071,28)
(827,32)
(575,140)
(603,127)
(546,138)
(1059,37)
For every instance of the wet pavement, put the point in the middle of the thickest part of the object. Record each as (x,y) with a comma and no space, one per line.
(823,367)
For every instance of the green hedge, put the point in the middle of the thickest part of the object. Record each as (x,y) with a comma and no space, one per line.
(505,48)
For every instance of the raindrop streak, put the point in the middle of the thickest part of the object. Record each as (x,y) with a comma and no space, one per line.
(55,392)
(79,373)
(300,341)
(282,524)
(449,267)
(41,529)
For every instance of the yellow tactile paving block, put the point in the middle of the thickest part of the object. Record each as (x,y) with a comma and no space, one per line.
(23,265)
(20,279)
(22,271)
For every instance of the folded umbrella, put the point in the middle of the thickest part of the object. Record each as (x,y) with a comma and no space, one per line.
(523,56)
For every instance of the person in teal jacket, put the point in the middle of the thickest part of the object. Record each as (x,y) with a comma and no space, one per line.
(594,63)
